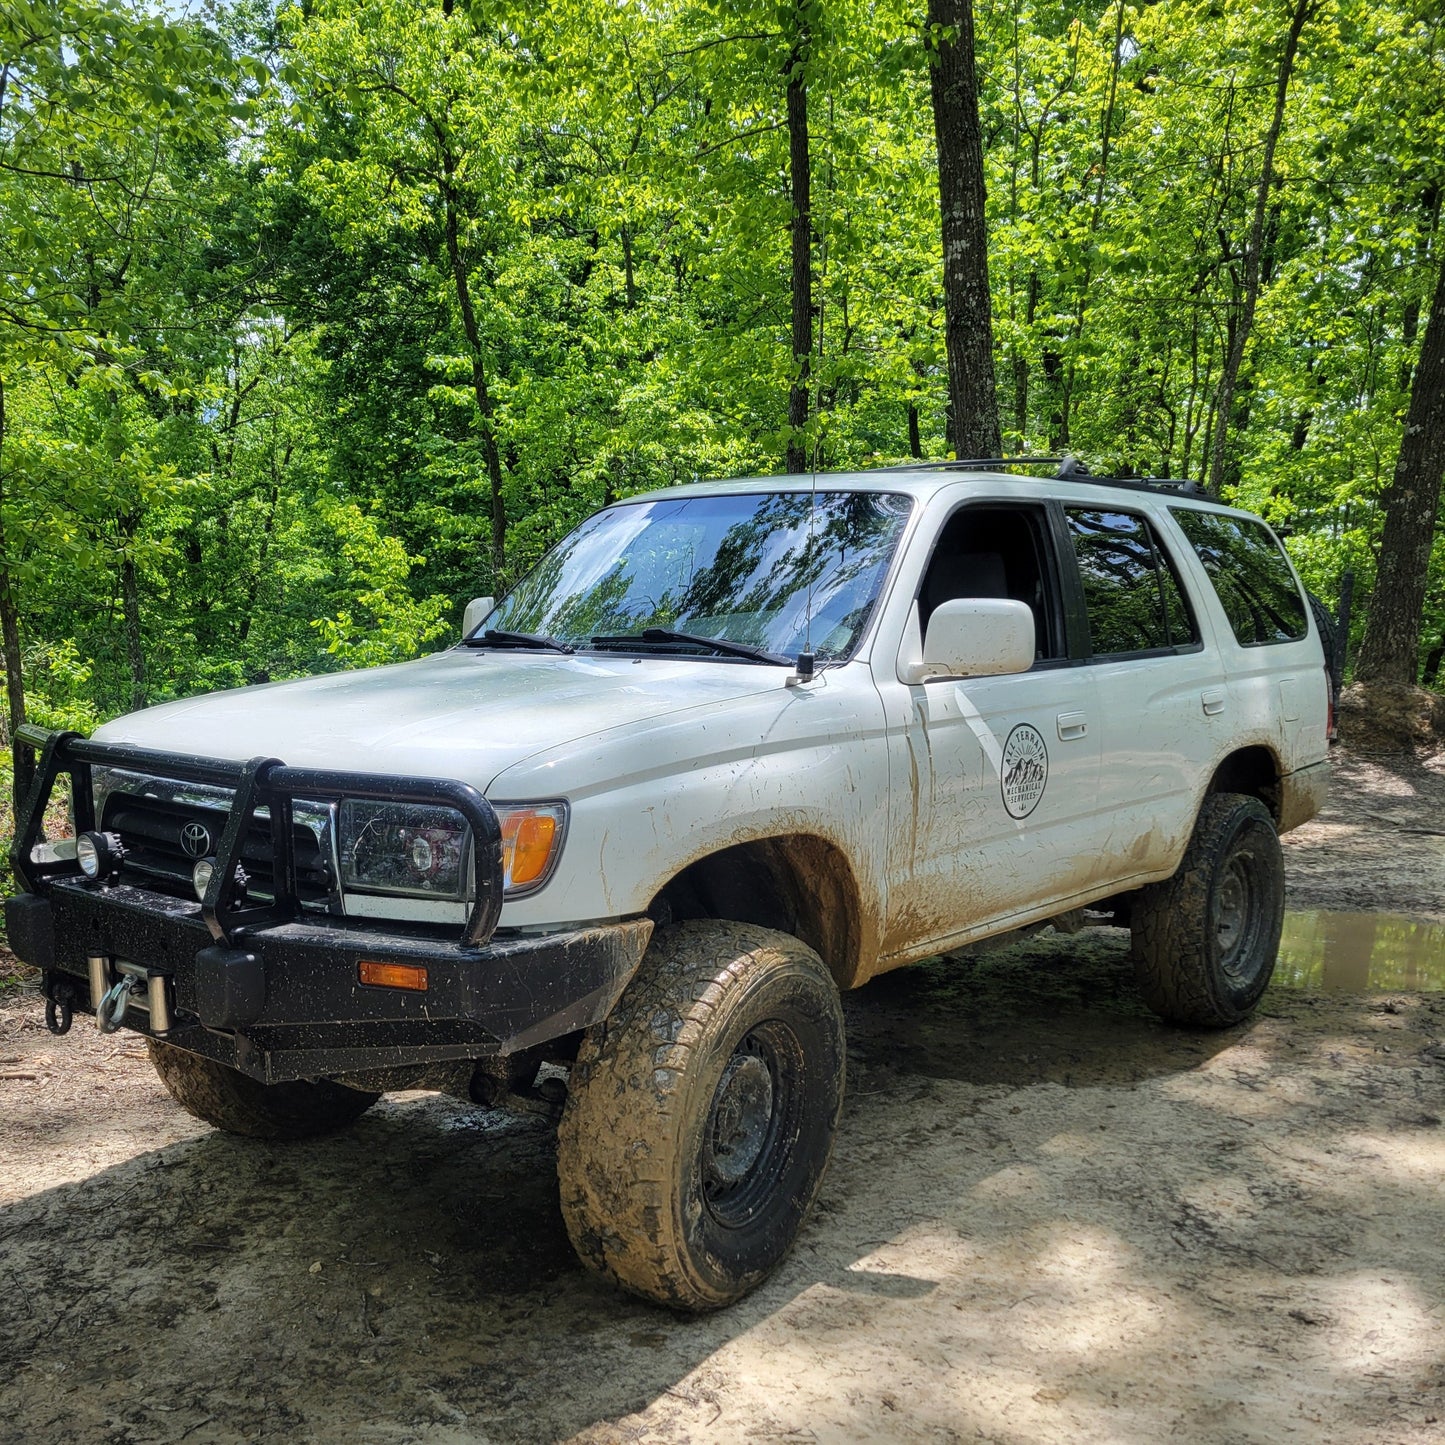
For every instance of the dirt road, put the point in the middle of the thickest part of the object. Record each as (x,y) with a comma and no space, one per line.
(1049,1218)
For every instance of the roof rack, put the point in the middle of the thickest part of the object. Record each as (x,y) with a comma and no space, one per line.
(1068,468)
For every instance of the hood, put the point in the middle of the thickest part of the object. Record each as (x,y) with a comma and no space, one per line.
(465,714)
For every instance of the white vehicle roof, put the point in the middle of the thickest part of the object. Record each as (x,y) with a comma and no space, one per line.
(926,481)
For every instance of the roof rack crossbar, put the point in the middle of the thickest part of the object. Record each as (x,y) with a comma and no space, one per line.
(1069,469)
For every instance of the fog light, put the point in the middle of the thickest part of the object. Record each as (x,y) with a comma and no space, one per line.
(201,877)
(99,854)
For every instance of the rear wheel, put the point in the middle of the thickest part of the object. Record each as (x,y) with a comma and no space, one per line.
(230,1100)
(1205,941)
(701,1114)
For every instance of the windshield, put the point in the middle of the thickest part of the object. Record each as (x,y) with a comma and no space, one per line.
(743,569)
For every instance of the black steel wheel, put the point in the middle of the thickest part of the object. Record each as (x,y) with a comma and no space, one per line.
(701,1114)
(1205,941)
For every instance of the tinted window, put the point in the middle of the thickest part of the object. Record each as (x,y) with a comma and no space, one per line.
(1134,600)
(1250,574)
(770,570)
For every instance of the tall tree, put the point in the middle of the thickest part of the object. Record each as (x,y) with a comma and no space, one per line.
(95,97)
(1242,324)
(968,310)
(1390,651)
(800,171)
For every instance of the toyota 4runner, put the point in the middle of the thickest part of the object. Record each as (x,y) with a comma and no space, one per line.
(730,749)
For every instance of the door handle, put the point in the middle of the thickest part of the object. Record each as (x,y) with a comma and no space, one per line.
(1213,701)
(1072,725)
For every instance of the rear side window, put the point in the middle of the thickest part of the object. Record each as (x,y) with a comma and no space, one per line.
(1133,598)
(1250,574)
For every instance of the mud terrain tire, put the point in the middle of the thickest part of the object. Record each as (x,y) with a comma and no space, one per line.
(701,1114)
(230,1100)
(1205,940)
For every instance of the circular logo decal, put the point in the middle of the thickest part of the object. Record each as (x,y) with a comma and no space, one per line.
(1025,770)
(196,840)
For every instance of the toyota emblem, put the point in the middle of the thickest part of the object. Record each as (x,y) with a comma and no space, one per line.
(196,840)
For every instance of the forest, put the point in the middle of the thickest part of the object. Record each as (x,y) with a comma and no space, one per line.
(318,319)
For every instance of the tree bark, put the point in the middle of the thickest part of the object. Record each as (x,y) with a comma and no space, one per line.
(130,613)
(1254,249)
(10,635)
(629,279)
(1389,652)
(968,313)
(486,407)
(801,176)
(1096,213)
(1433,660)
(134,652)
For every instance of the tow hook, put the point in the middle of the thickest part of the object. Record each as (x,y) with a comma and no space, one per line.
(110,1011)
(116,984)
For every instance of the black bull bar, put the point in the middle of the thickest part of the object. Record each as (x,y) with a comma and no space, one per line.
(261,782)
(269,988)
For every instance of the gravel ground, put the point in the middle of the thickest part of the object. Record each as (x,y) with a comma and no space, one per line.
(1049,1219)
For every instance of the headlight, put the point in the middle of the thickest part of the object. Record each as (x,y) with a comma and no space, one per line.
(531,842)
(406,848)
(402,848)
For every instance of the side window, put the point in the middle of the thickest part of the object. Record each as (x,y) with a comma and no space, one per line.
(1250,573)
(1132,596)
(998,551)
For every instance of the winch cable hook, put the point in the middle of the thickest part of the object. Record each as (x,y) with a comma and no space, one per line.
(110,1011)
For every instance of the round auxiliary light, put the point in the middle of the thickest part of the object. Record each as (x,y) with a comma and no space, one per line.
(201,876)
(423,856)
(98,853)
(88,855)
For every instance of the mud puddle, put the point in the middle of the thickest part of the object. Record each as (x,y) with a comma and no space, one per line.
(1341,952)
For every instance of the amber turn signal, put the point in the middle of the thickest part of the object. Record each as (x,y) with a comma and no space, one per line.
(392,975)
(527,839)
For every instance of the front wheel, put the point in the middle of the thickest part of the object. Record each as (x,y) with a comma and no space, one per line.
(228,1099)
(1205,940)
(701,1114)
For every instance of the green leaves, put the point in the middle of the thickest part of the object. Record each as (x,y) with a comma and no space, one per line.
(327,325)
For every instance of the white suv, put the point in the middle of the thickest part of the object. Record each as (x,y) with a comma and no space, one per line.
(730,749)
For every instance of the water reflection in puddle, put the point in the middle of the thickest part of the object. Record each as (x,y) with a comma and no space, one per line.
(1360,952)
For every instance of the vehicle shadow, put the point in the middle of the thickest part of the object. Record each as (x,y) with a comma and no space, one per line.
(411,1279)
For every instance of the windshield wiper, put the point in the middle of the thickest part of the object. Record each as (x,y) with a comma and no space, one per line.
(492,638)
(718,644)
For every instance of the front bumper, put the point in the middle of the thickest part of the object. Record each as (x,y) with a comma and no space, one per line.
(285,1001)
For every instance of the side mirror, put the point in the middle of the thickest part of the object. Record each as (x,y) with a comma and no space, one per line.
(476,610)
(976,637)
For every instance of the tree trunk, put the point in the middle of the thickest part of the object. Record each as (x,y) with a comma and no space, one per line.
(1433,660)
(1096,213)
(629,279)
(486,408)
(915,441)
(968,314)
(130,613)
(1412,503)
(1053,368)
(1410,318)
(801,175)
(10,635)
(1254,249)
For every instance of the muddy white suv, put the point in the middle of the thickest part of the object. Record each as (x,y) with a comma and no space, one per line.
(730,749)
